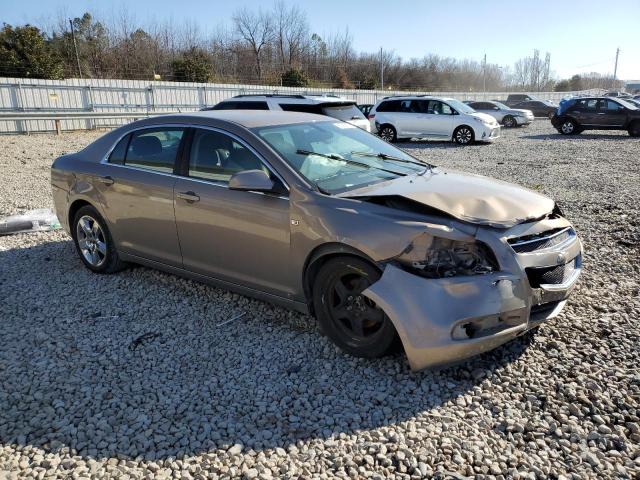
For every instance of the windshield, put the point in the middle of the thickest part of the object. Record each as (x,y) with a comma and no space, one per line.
(337,156)
(459,106)
(343,112)
(502,106)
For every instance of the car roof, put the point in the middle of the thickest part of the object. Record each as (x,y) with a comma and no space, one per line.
(307,99)
(251,118)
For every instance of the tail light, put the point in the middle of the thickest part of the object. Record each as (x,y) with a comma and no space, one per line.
(371,116)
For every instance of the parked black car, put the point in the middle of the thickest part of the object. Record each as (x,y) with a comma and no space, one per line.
(514,98)
(596,113)
(540,108)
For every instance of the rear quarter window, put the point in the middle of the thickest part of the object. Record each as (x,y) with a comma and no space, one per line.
(120,151)
(301,107)
(344,112)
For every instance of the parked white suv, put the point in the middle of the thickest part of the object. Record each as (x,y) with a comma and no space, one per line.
(330,105)
(420,116)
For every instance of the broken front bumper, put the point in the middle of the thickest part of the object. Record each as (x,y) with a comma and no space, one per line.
(442,321)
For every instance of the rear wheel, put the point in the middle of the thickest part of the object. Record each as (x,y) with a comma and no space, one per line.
(351,320)
(388,133)
(94,243)
(634,129)
(509,122)
(568,127)
(463,135)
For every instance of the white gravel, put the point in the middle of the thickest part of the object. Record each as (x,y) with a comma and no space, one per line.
(266,396)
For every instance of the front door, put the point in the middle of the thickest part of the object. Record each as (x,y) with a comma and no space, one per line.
(235,236)
(611,113)
(136,192)
(439,119)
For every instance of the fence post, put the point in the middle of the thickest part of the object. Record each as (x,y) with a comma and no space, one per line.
(87,100)
(20,107)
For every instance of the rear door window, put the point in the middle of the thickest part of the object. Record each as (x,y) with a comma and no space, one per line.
(154,149)
(389,106)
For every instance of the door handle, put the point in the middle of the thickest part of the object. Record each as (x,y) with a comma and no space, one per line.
(107,180)
(190,197)
(601,113)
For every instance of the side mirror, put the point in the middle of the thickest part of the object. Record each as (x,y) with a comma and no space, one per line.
(251,180)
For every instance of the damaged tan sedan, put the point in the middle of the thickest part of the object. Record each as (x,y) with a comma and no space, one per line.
(322,217)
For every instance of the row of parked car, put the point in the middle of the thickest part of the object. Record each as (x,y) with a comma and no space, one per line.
(401,118)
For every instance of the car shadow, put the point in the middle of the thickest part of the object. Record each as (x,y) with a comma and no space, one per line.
(622,136)
(100,378)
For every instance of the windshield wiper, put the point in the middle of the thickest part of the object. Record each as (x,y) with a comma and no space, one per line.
(384,156)
(349,161)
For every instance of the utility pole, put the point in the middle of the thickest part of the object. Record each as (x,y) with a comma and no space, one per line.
(75,47)
(615,68)
(381,70)
(484,75)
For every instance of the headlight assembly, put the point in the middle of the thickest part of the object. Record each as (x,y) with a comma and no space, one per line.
(437,257)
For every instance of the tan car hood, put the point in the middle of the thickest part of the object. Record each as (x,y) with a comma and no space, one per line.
(471,198)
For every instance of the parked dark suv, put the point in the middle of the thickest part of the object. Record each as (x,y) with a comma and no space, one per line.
(596,113)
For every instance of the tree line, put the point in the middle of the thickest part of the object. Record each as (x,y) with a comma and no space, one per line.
(273,46)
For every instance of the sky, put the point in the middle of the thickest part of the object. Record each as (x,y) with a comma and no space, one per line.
(581,36)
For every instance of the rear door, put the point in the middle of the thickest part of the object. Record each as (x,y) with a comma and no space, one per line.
(585,111)
(235,236)
(137,193)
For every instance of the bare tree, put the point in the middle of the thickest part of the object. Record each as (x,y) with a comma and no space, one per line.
(256,30)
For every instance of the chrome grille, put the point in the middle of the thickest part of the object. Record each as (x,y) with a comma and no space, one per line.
(540,241)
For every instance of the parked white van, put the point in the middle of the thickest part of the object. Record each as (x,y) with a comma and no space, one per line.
(419,116)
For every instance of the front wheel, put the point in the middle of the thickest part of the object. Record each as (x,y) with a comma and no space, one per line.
(509,122)
(351,320)
(388,133)
(463,135)
(94,243)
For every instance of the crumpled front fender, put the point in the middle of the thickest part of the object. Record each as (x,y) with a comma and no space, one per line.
(425,312)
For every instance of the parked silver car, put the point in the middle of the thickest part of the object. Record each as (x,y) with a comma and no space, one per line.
(322,217)
(507,116)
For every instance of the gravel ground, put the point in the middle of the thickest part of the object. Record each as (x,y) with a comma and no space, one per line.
(84,394)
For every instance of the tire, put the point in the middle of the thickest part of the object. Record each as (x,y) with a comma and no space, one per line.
(352,321)
(388,133)
(463,135)
(634,129)
(509,122)
(568,127)
(94,243)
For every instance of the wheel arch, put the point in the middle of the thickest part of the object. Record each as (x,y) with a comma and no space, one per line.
(321,255)
(458,127)
(73,209)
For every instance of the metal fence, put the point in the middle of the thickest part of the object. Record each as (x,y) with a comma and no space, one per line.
(138,98)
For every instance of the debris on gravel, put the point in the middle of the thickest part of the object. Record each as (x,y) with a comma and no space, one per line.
(266,396)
